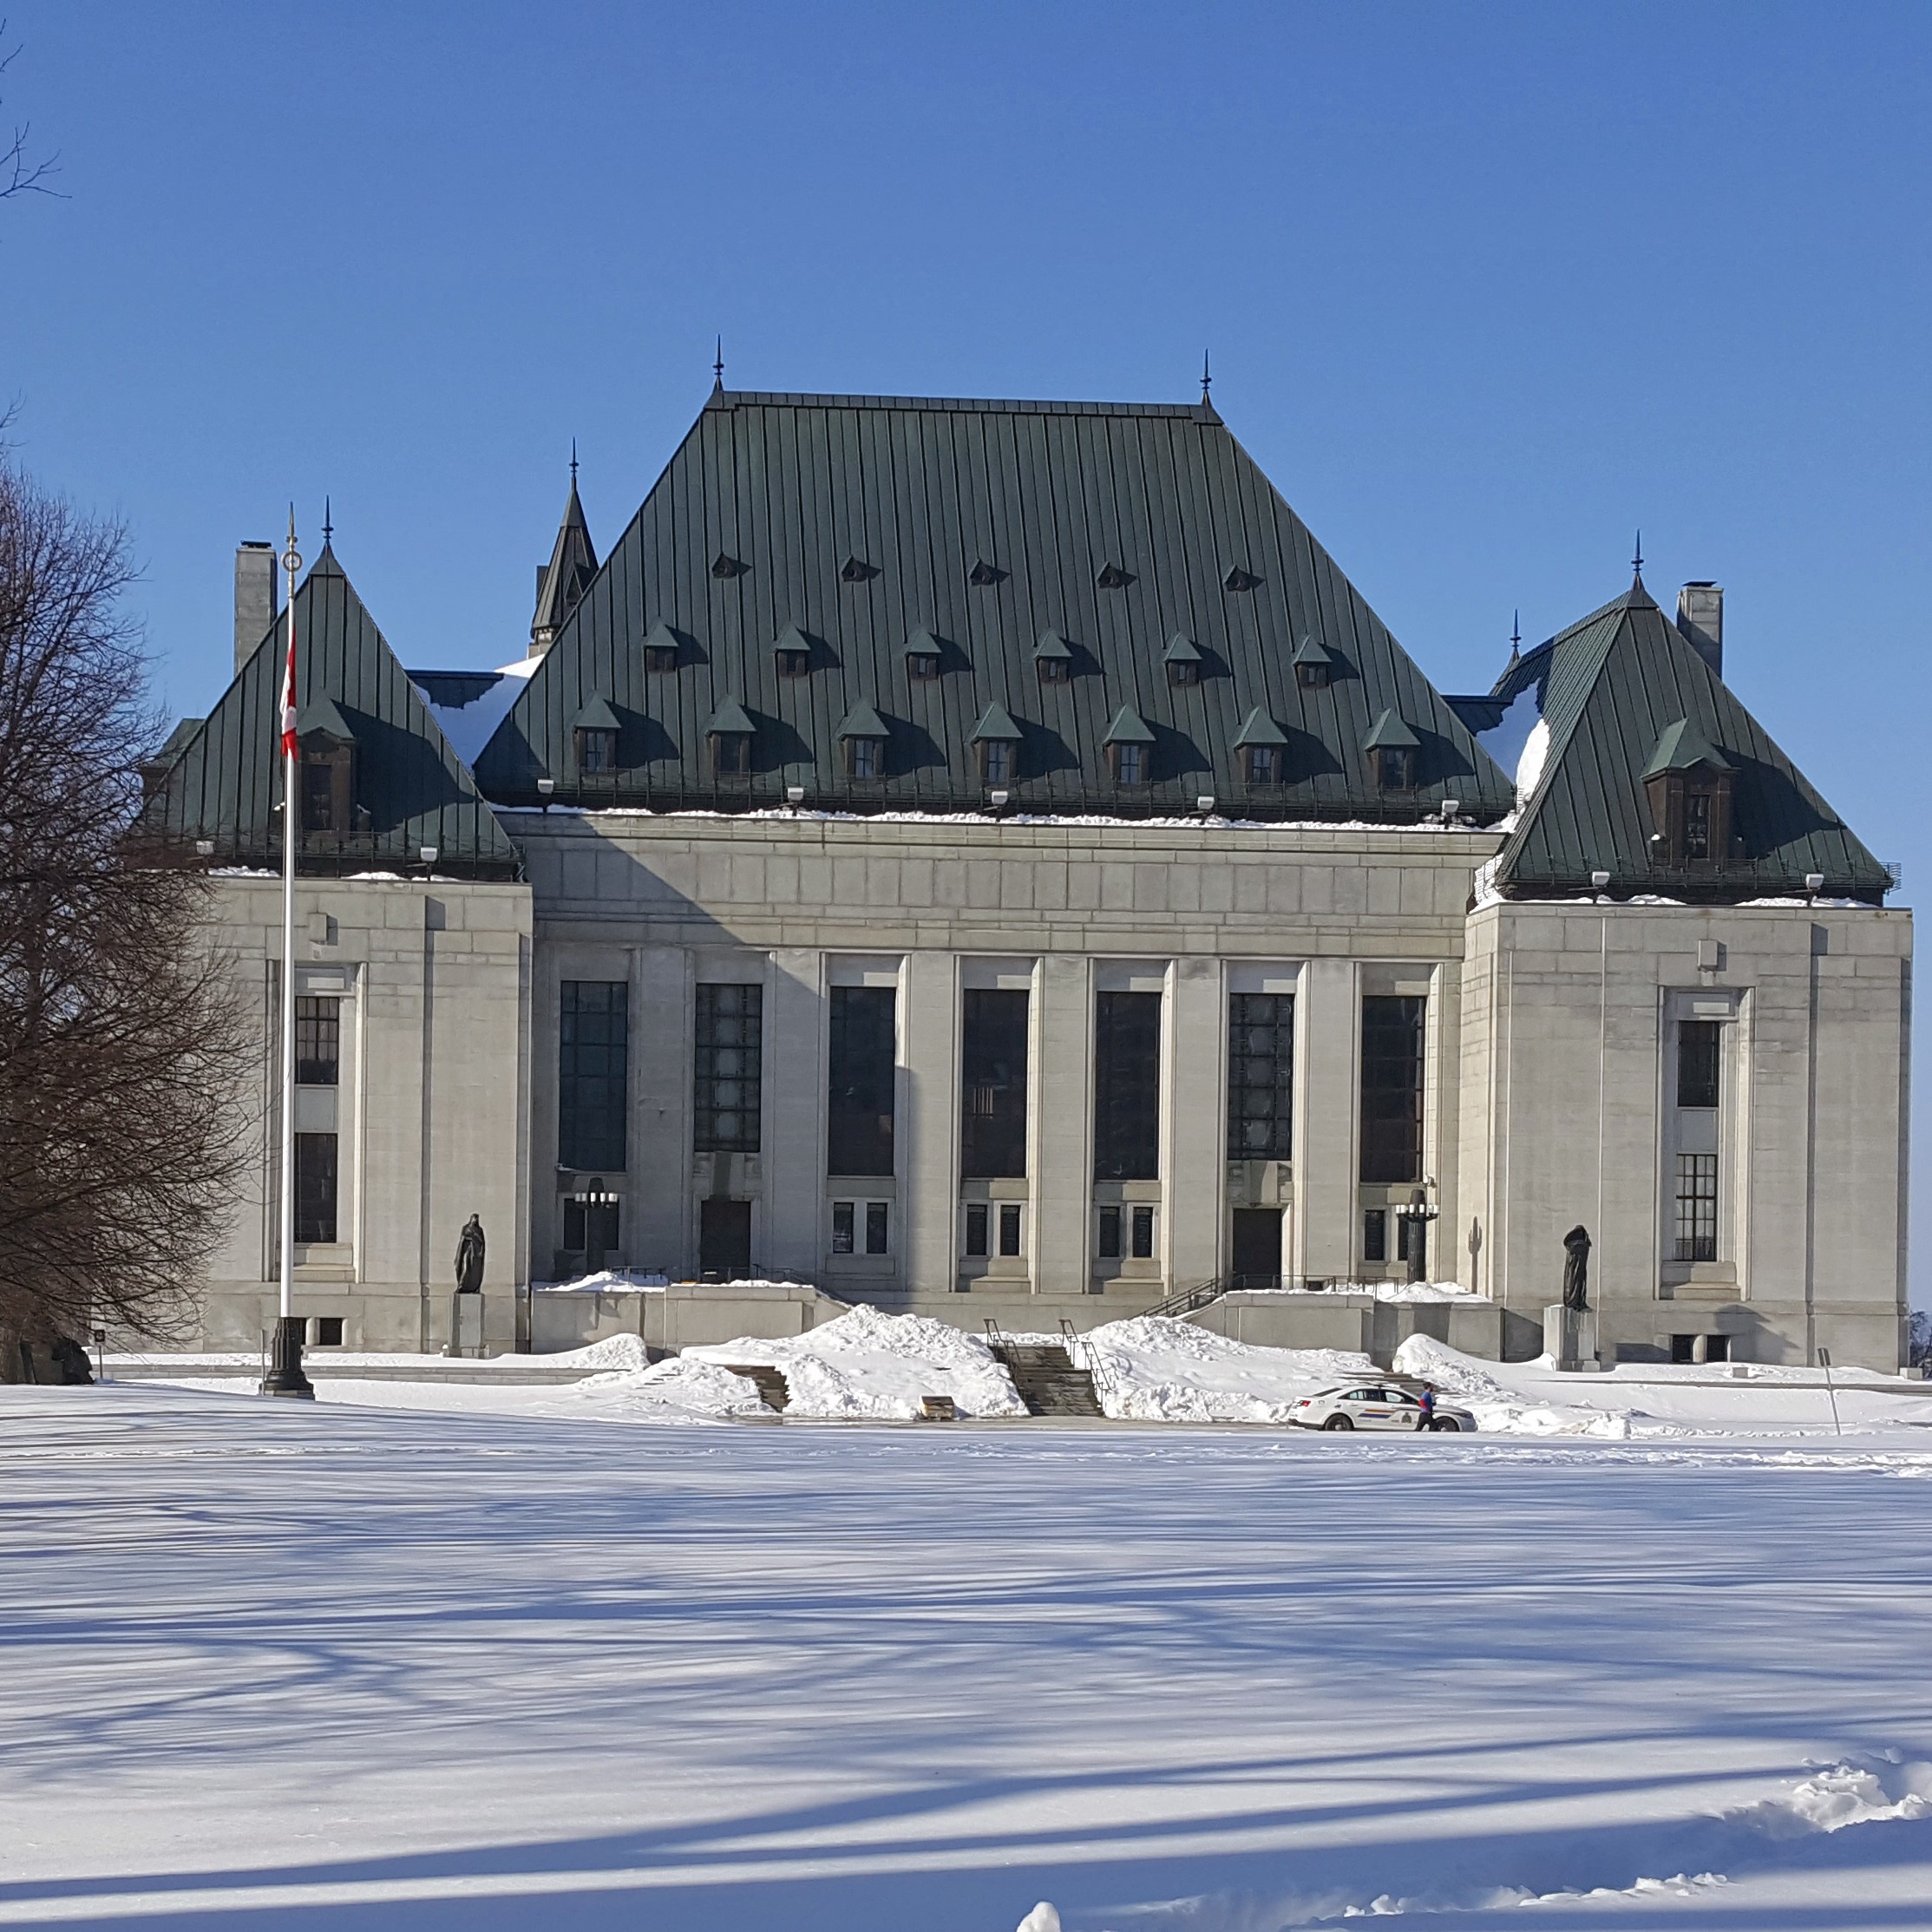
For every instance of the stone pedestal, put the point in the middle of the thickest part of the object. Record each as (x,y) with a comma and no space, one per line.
(465,1325)
(1569,1337)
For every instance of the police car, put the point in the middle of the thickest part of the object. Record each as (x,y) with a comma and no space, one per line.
(1376,1406)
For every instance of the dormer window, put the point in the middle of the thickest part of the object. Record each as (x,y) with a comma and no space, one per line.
(1391,748)
(996,762)
(794,664)
(1183,660)
(861,738)
(1263,763)
(660,649)
(1261,744)
(1314,664)
(1687,784)
(995,745)
(729,734)
(328,773)
(593,735)
(1183,673)
(922,657)
(1129,748)
(1053,659)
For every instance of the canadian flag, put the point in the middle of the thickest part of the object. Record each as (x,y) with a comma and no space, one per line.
(288,694)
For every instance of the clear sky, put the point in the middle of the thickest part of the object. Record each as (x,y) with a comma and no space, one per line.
(1486,286)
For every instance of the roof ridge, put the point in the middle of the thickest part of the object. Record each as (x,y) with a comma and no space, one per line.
(786,399)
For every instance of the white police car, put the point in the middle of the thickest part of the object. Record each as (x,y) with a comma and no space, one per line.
(1376,1406)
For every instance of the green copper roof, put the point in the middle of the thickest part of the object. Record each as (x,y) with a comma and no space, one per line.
(1181,650)
(995,723)
(862,722)
(988,526)
(321,716)
(409,788)
(1129,727)
(597,716)
(1622,690)
(1389,733)
(1258,728)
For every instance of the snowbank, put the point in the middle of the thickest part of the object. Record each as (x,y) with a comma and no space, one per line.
(1157,1368)
(1499,1410)
(682,1389)
(875,1366)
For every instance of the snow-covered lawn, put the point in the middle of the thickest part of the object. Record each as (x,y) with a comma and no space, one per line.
(340,1667)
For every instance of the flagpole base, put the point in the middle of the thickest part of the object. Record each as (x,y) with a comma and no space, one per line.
(285,1374)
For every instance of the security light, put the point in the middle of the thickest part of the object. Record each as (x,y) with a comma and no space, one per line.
(204,849)
(997,799)
(1450,807)
(427,853)
(1205,803)
(795,796)
(1599,881)
(546,786)
(1814,882)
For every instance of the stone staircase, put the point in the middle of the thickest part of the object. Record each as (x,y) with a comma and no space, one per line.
(1047,1381)
(769,1382)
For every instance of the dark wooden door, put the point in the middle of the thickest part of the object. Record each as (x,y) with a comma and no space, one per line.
(1257,1247)
(724,1239)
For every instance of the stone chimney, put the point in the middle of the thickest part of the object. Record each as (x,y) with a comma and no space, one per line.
(1700,618)
(254,597)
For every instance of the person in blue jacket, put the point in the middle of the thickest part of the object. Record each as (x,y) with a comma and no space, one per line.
(1426,1399)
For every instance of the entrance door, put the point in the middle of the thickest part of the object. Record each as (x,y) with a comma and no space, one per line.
(1257,1247)
(724,1239)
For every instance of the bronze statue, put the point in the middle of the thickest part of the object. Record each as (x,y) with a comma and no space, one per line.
(469,1257)
(1576,1269)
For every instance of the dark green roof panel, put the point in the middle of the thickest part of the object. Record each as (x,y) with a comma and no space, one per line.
(410,790)
(1046,496)
(1622,689)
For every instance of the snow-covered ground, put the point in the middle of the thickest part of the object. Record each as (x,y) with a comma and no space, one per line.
(320,1666)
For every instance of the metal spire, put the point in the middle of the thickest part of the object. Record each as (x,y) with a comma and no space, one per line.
(328,528)
(573,462)
(1636,562)
(1207,379)
(717,367)
(1515,637)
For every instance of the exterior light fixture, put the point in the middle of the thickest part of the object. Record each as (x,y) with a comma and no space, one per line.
(795,796)
(204,849)
(1599,881)
(1205,803)
(1814,882)
(997,799)
(546,786)
(1450,807)
(427,853)
(1420,1211)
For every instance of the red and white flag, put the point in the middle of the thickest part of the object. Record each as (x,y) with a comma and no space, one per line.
(288,694)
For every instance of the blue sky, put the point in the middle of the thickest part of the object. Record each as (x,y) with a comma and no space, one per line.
(1486,287)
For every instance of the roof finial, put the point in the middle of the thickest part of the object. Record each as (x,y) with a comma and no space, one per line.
(573,462)
(328,528)
(717,367)
(1515,637)
(1206,378)
(1636,562)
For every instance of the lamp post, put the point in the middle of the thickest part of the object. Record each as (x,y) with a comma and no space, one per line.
(1419,1211)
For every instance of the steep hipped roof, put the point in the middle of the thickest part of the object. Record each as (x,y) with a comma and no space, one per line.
(988,525)
(410,788)
(1619,689)
(562,582)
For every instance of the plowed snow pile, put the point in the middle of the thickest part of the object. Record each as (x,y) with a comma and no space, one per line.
(867,1365)
(1157,1368)
(1500,1410)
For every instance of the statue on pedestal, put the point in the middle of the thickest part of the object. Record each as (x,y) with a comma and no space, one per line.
(469,1257)
(1576,1270)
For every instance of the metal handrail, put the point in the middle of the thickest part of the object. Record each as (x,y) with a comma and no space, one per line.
(1184,1301)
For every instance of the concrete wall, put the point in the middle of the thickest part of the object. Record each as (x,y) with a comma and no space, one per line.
(1567,1058)
(433,977)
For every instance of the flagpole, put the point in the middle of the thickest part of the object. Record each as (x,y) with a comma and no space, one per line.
(285,1375)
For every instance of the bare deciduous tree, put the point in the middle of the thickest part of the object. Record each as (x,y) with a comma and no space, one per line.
(19,172)
(120,1053)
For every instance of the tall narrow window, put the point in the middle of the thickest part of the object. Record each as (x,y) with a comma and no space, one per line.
(1144,1234)
(1127,1086)
(1697,824)
(315,1186)
(1009,1228)
(1392,1087)
(976,1228)
(1375,1233)
(878,1227)
(859,1127)
(592,1069)
(1261,1076)
(996,761)
(728,1084)
(1698,1044)
(992,1077)
(1696,1206)
(318,1042)
(1108,1246)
